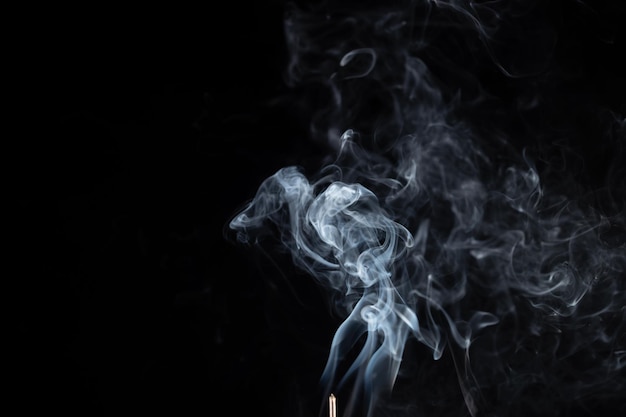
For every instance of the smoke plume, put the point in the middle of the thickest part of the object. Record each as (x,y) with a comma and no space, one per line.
(471,205)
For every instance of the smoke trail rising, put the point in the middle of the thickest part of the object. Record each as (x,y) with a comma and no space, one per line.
(430,223)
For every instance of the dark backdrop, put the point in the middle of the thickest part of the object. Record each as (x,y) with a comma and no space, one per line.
(140,134)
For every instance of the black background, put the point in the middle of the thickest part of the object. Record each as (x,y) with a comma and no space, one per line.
(139,135)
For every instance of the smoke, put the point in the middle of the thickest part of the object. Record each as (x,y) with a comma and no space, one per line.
(455,208)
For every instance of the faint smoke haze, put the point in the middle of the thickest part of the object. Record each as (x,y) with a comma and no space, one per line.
(451,211)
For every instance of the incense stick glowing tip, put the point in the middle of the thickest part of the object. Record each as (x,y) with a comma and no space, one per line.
(332,406)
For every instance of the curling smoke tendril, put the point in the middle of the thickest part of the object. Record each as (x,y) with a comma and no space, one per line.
(423,233)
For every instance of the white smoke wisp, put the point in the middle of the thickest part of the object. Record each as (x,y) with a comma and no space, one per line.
(428,231)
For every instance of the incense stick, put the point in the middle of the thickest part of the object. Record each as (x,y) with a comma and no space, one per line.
(332,406)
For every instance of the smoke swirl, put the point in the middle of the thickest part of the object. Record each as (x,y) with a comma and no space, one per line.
(442,216)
